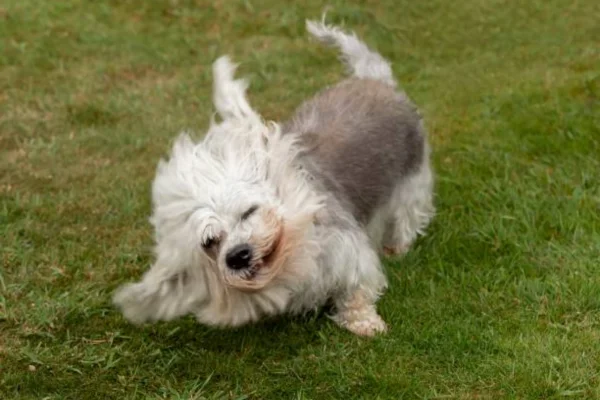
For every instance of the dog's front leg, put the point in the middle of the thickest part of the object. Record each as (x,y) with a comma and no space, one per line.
(354,257)
(356,312)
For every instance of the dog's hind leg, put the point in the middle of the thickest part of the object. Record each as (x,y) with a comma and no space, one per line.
(411,210)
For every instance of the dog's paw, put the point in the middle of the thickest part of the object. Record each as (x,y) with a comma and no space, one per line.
(396,250)
(369,326)
(129,299)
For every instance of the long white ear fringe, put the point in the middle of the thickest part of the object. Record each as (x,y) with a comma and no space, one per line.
(154,299)
(229,94)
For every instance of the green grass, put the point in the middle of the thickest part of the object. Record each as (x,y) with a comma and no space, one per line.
(500,300)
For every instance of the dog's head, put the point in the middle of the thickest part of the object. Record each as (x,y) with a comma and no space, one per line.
(235,202)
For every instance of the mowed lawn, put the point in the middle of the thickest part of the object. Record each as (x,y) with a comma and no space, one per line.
(500,300)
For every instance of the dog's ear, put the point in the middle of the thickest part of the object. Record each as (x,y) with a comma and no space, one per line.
(229,94)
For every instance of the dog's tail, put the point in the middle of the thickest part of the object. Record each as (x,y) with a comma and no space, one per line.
(362,61)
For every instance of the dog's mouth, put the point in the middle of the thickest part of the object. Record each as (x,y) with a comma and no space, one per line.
(265,261)
(261,270)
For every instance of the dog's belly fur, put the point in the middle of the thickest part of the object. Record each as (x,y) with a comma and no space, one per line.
(362,138)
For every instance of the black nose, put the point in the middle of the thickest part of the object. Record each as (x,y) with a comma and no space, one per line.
(239,257)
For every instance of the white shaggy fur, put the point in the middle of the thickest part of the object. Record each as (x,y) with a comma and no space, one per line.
(312,248)
(358,58)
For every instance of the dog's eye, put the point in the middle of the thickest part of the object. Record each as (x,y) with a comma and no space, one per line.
(210,243)
(249,212)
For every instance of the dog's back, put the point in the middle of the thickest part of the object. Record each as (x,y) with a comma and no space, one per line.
(362,136)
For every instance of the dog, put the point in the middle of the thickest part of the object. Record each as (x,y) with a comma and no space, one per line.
(259,218)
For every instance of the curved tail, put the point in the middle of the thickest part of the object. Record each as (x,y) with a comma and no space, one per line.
(362,61)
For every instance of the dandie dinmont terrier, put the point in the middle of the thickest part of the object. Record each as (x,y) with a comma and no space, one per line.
(261,218)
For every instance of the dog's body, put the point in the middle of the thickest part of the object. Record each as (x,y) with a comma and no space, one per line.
(259,219)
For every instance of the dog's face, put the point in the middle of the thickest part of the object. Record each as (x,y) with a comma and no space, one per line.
(242,234)
(221,212)
(233,202)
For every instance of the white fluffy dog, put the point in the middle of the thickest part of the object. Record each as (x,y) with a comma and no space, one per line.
(260,219)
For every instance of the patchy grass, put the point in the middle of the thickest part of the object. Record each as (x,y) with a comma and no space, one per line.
(499,301)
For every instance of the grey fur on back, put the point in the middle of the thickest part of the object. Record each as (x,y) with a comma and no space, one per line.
(362,137)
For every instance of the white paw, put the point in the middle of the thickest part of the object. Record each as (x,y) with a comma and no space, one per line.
(129,299)
(369,326)
(396,250)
